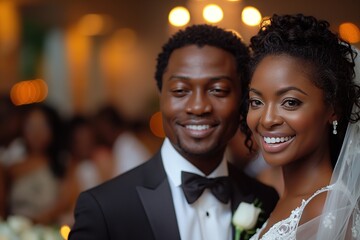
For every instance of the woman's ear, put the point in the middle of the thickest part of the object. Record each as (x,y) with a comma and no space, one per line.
(333,115)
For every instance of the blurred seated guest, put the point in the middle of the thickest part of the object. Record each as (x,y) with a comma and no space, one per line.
(265,173)
(237,151)
(2,193)
(121,149)
(82,171)
(253,163)
(34,179)
(11,149)
(81,146)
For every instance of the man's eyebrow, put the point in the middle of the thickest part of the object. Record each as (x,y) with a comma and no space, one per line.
(172,77)
(280,91)
(216,78)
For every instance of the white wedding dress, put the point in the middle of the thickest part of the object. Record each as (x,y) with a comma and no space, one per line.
(286,229)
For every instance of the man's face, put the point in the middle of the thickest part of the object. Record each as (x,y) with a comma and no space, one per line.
(200,101)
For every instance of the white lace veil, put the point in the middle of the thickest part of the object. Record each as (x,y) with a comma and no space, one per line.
(341,215)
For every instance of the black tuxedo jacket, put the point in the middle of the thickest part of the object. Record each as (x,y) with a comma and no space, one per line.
(138,205)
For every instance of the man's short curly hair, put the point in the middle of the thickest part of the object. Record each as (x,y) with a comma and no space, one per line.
(201,35)
(330,60)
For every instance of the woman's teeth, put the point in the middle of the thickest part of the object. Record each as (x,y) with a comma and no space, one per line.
(276,139)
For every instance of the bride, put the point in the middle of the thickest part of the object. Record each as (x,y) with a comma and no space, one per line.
(302,99)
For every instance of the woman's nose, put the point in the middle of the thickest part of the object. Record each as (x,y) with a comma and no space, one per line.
(270,117)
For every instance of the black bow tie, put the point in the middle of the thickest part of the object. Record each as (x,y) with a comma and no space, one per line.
(194,185)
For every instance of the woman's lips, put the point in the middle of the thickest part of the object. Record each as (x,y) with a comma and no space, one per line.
(276,144)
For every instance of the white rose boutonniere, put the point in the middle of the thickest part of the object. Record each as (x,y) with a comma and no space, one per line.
(245,218)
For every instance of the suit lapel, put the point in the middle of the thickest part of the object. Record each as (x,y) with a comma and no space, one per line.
(157,200)
(239,192)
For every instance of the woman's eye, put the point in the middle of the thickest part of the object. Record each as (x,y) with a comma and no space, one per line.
(291,103)
(255,103)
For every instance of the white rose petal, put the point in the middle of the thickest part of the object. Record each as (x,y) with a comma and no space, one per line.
(18,223)
(6,232)
(30,234)
(246,216)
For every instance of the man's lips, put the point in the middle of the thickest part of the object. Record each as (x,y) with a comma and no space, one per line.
(199,129)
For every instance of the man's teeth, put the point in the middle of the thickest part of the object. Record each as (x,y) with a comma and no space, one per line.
(197,127)
(277,139)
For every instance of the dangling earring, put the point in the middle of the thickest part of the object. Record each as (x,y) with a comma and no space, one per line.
(335,123)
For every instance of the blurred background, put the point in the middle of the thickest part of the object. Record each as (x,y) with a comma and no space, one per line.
(91,52)
(79,102)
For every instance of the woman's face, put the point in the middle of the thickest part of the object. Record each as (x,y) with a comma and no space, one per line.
(287,112)
(37,132)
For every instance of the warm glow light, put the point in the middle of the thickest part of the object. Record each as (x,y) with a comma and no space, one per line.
(94,24)
(156,125)
(64,231)
(27,92)
(349,32)
(251,16)
(234,0)
(126,38)
(213,13)
(265,21)
(179,16)
(9,26)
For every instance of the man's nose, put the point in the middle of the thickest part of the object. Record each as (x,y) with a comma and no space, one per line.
(199,103)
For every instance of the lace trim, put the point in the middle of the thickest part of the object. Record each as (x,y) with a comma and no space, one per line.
(355,230)
(286,229)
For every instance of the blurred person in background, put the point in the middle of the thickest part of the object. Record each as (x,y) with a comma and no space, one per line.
(82,171)
(11,148)
(252,162)
(35,177)
(2,193)
(238,153)
(120,150)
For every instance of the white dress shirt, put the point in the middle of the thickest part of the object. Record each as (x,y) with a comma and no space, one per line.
(205,219)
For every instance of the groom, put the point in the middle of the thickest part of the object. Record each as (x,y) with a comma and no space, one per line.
(200,73)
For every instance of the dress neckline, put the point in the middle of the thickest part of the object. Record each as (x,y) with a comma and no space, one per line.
(285,229)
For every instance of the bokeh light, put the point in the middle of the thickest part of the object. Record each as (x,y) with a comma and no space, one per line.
(156,125)
(94,24)
(251,16)
(179,16)
(9,26)
(27,92)
(64,231)
(213,13)
(349,32)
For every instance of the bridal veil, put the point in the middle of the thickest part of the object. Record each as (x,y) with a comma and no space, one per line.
(341,215)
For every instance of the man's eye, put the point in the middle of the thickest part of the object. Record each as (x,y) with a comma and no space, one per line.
(220,92)
(179,92)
